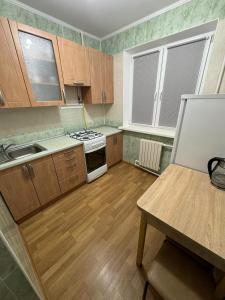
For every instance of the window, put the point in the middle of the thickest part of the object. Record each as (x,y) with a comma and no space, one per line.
(144,86)
(160,78)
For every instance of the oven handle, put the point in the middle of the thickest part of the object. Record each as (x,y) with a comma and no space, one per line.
(93,150)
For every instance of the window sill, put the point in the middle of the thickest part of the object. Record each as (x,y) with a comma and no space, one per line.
(169,133)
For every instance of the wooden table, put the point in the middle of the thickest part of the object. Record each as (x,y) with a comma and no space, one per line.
(184,205)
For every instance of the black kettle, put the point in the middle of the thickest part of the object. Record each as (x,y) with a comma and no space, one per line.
(217,173)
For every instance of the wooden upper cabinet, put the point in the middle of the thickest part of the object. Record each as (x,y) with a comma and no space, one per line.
(107,62)
(101,71)
(18,191)
(66,52)
(44,178)
(95,58)
(75,64)
(81,64)
(13,92)
(94,94)
(39,59)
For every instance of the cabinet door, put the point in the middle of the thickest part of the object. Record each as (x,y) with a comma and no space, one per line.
(18,191)
(114,149)
(39,59)
(74,62)
(109,151)
(108,78)
(81,66)
(44,178)
(94,94)
(13,92)
(66,51)
(119,147)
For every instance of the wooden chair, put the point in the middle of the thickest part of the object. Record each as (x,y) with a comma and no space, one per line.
(175,275)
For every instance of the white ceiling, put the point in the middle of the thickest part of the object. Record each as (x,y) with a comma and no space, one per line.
(99,17)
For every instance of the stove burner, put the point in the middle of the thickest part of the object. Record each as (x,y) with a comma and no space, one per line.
(85,135)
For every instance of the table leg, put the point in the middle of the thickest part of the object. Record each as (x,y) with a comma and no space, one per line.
(141,239)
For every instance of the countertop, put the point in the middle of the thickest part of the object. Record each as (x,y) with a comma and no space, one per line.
(107,131)
(55,144)
(52,145)
(169,133)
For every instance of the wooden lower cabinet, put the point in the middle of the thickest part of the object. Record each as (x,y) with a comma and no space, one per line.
(18,191)
(70,168)
(114,149)
(43,175)
(28,187)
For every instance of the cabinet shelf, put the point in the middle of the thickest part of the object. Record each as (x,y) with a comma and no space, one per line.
(36,58)
(44,83)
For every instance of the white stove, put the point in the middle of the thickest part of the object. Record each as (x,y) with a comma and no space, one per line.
(92,139)
(94,148)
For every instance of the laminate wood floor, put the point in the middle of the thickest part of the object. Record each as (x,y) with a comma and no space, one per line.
(84,246)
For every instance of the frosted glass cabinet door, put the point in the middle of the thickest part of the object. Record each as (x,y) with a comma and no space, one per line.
(39,57)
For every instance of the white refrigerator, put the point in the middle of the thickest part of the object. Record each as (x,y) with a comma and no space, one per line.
(200,133)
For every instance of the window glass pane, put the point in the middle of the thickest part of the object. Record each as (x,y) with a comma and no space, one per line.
(144,85)
(182,69)
(41,67)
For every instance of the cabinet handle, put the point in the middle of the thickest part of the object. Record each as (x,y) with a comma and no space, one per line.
(68,152)
(25,172)
(78,83)
(2,98)
(70,158)
(64,95)
(102,96)
(31,171)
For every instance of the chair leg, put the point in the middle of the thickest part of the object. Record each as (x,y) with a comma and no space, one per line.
(145,290)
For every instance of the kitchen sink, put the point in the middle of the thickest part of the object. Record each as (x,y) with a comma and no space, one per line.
(17,152)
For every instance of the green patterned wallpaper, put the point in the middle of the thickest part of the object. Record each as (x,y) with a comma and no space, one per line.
(191,14)
(90,42)
(22,15)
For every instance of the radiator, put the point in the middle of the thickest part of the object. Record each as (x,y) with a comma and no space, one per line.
(150,154)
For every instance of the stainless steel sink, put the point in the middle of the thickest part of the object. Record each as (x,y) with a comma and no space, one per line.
(17,152)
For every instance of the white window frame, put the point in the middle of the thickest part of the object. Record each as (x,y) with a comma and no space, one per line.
(163,51)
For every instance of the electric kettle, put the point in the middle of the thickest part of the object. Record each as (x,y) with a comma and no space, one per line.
(217,173)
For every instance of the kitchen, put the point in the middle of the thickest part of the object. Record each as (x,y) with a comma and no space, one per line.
(82,145)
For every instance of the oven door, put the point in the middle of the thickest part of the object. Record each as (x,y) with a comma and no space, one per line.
(95,159)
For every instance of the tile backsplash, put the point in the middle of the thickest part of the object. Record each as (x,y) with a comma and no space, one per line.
(23,125)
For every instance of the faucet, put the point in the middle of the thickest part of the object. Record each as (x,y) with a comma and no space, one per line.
(4,147)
